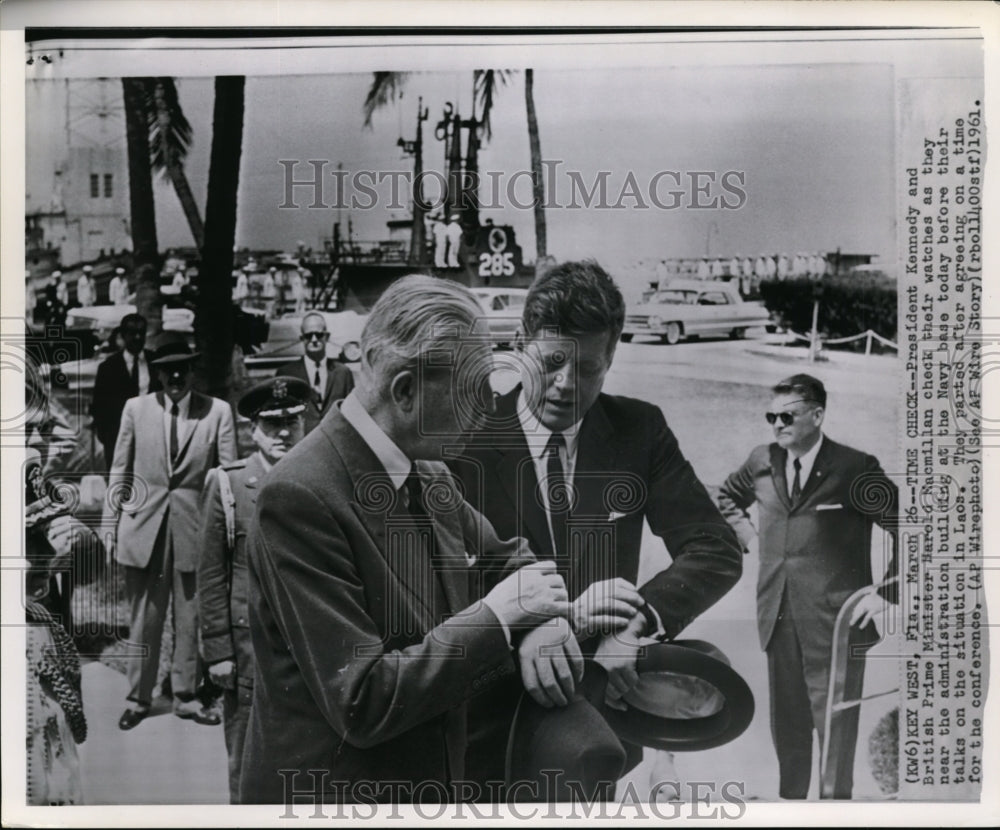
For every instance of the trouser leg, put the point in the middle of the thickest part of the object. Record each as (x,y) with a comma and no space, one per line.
(149,594)
(184,668)
(236,716)
(791,712)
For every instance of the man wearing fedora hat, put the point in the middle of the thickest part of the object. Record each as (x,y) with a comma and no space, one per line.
(816,501)
(577,472)
(276,410)
(168,442)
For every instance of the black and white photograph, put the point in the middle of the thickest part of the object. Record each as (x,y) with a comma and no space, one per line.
(601,435)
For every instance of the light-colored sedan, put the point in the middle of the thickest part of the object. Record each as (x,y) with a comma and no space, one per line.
(689,308)
(284,342)
(502,308)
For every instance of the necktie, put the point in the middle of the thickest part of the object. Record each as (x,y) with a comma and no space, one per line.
(134,375)
(174,411)
(796,482)
(426,544)
(556,491)
(319,388)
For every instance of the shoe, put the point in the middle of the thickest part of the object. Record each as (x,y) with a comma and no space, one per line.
(194,710)
(131,718)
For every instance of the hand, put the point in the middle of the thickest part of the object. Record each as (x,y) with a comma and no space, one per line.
(871,607)
(530,595)
(551,663)
(604,607)
(61,533)
(617,654)
(222,671)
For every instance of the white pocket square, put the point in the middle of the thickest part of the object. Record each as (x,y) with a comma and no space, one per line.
(829,507)
(470,559)
(615,516)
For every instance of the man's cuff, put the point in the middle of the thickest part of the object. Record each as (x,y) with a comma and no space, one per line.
(503,623)
(654,625)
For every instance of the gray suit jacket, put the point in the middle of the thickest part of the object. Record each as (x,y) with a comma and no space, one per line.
(141,461)
(365,656)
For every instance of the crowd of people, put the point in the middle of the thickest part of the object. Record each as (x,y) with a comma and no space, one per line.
(414,582)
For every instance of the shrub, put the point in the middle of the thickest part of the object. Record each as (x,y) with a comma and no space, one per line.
(848,304)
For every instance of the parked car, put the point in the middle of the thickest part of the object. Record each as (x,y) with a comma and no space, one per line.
(284,344)
(502,308)
(687,308)
(93,324)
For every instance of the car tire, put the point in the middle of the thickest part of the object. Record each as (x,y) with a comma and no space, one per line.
(737,334)
(626,338)
(672,335)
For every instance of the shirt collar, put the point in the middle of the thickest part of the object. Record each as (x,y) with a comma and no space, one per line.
(183,405)
(806,460)
(318,364)
(537,434)
(390,456)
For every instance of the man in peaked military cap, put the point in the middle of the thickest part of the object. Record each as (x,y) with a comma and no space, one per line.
(276,409)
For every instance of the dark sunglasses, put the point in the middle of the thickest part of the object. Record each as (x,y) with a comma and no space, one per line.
(787,418)
(316,335)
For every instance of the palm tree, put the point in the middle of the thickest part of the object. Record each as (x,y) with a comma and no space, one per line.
(145,251)
(215,304)
(169,141)
(388,87)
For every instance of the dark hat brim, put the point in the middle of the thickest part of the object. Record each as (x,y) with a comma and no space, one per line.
(694,659)
(170,359)
(586,729)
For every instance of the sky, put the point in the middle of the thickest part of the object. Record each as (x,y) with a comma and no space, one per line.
(811,145)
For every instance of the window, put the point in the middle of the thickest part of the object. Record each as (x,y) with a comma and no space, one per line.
(107,186)
(95,185)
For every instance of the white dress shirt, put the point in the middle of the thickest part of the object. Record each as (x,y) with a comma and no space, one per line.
(806,464)
(183,423)
(537,436)
(311,368)
(392,459)
(143,369)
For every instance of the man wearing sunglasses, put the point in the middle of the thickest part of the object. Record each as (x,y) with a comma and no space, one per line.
(816,502)
(330,380)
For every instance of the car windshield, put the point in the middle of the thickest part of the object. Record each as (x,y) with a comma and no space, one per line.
(674,297)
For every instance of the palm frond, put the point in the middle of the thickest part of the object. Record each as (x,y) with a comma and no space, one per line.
(170,132)
(386,87)
(486,84)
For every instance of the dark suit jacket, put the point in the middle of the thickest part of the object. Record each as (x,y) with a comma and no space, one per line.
(819,548)
(357,675)
(112,387)
(629,467)
(339,382)
(223,585)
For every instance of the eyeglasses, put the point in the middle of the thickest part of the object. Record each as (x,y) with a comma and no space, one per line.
(786,418)
(315,335)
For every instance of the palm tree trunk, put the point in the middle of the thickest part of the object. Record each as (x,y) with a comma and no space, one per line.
(174,169)
(537,183)
(215,304)
(188,203)
(145,250)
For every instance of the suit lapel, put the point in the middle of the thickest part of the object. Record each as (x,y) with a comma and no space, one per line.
(160,438)
(516,470)
(200,407)
(596,453)
(820,469)
(373,500)
(449,564)
(779,457)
